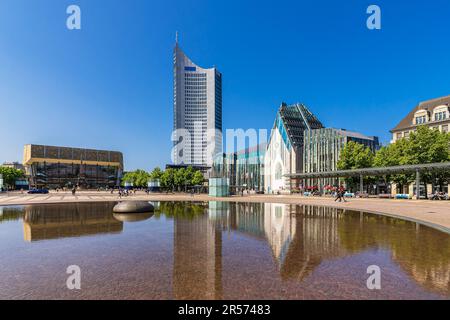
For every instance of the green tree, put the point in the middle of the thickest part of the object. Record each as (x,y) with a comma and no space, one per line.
(168,179)
(180,178)
(428,145)
(197,179)
(138,178)
(355,156)
(189,175)
(392,155)
(156,173)
(10,175)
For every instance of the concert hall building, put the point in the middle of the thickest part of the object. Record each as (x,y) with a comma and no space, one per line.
(58,167)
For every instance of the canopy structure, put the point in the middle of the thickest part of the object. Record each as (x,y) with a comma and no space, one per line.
(382,171)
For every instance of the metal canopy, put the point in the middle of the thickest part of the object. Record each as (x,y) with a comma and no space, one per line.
(372,171)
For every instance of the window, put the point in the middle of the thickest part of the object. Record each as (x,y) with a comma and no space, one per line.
(278,172)
(406,134)
(399,135)
(442,115)
(421,119)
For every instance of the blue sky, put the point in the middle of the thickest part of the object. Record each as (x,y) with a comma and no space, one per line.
(109,85)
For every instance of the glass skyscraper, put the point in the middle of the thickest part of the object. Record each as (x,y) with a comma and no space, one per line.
(197,118)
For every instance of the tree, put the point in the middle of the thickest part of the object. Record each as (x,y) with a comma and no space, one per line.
(355,156)
(138,178)
(10,175)
(197,179)
(180,178)
(428,145)
(393,155)
(156,174)
(168,179)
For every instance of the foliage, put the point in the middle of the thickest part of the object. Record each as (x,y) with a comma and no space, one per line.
(156,174)
(197,179)
(426,145)
(10,175)
(138,178)
(180,178)
(355,156)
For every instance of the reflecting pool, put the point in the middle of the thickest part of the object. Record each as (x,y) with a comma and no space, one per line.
(218,250)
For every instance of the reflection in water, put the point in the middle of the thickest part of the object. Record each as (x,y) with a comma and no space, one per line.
(299,240)
(45,222)
(197,259)
(301,237)
(10,213)
(132,217)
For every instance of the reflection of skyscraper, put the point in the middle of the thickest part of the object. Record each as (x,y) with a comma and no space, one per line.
(61,221)
(197,271)
(197,109)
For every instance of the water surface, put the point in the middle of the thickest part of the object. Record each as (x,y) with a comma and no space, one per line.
(218,250)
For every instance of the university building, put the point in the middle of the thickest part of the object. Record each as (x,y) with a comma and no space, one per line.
(58,167)
(322,150)
(284,153)
(299,143)
(197,94)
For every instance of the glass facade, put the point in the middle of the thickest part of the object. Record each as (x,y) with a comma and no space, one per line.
(58,167)
(244,169)
(322,148)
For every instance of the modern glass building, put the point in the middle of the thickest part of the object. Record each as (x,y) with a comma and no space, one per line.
(197,118)
(57,167)
(322,149)
(244,169)
(285,149)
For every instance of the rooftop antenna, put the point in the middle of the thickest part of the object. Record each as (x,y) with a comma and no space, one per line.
(176,37)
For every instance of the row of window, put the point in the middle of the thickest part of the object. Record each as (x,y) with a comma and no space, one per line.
(405,134)
(438,116)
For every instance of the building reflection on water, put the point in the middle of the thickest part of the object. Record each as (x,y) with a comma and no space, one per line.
(301,238)
(45,222)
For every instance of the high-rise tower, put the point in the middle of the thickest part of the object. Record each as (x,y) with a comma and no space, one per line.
(197,112)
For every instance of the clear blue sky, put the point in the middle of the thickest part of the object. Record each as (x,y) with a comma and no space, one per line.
(109,85)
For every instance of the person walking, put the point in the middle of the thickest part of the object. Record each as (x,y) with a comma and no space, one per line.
(338,195)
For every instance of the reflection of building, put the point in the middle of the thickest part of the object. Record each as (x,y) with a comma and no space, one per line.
(285,150)
(279,227)
(301,238)
(197,269)
(54,167)
(45,222)
(322,148)
(197,109)
(434,113)
(244,168)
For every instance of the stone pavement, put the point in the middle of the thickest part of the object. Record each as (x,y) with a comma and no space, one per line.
(432,213)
